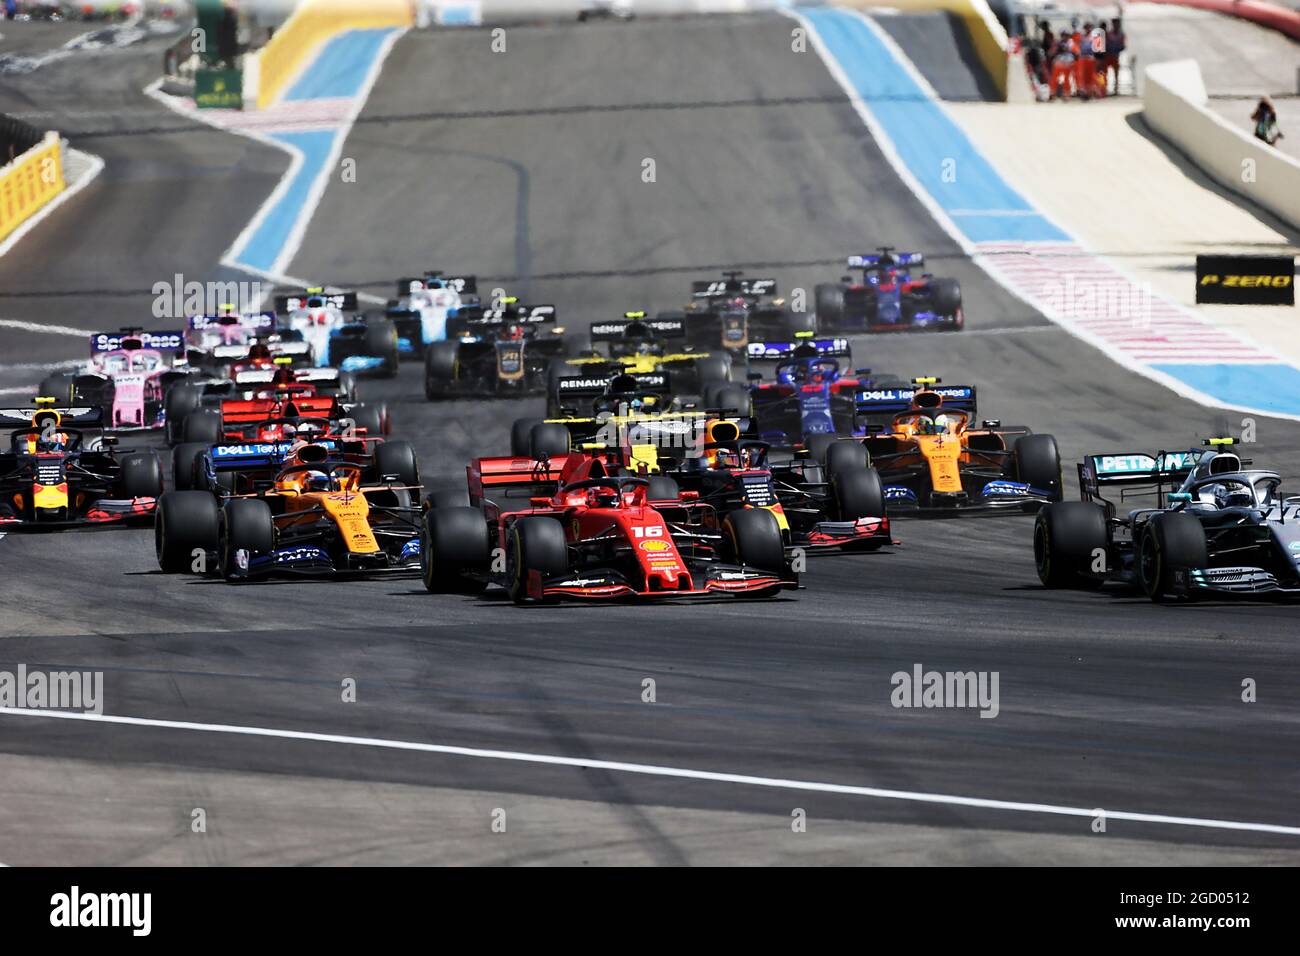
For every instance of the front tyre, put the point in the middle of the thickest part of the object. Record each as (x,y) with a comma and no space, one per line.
(1169,547)
(186,528)
(537,548)
(1071,544)
(454,550)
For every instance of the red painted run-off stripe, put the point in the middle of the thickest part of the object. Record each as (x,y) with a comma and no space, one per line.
(1257,11)
(1131,318)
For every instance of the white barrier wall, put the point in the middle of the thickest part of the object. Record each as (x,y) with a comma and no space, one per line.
(1174,104)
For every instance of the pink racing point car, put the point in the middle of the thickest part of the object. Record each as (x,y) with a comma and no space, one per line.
(128,374)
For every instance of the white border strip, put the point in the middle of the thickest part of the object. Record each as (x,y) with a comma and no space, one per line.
(654,770)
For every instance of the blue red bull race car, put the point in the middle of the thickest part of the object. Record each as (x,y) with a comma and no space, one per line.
(889,297)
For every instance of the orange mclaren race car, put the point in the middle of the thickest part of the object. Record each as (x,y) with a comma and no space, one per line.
(315,517)
(933,458)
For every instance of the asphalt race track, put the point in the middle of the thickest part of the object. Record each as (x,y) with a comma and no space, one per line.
(526,169)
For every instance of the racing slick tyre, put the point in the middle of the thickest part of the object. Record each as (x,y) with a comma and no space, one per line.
(347,387)
(184,458)
(756,539)
(662,488)
(848,455)
(58,387)
(204,426)
(1070,539)
(859,493)
(246,525)
(548,440)
(1038,464)
(181,399)
(441,361)
(449,499)
(712,368)
(818,444)
(731,398)
(142,476)
(369,417)
(454,549)
(381,342)
(554,372)
(828,300)
(521,433)
(186,527)
(535,545)
(945,296)
(397,457)
(1170,545)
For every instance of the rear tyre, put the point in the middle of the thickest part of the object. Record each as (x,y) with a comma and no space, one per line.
(184,459)
(662,488)
(441,362)
(142,476)
(449,499)
(59,388)
(369,417)
(712,368)
(1170,545)
(521,433)
(536,545)
(186,529)
(397,457)
(548,440)
(829,303)
(818,444)
(755,539)
(1038,464)
(246,525)
(859,493)
(381,342)
(848,455)
(203,425)
(733,399)
(1070,538)
(454,551)
(945,296)
(181,399)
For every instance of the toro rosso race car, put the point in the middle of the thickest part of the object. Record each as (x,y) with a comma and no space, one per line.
(810,398)
(569,529)
(730,312)
(353,343)
(1213,528)
(314,515)
(423,306)
(59,470)
(888,298)
(934,459)
(128,374)
(503,351)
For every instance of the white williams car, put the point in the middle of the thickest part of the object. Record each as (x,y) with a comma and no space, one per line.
(335,334)
(423,306)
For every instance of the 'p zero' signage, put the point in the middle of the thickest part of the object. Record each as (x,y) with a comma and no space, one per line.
(1245,280)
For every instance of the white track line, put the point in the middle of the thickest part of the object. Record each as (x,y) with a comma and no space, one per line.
(39,327)
(660,771)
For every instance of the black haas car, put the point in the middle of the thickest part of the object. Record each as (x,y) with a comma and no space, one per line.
(1213,527)
(731,312)
(507,350)
(60,470)
(889,298)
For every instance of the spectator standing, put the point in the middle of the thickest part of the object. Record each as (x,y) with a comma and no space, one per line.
(1097,51)
(1114,47)
(1086,71)
(1062,67)
(1265,117)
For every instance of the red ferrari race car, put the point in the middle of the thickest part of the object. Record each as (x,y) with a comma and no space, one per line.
(566,528)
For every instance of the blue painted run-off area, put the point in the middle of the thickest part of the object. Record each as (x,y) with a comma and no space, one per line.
(932,146)
(984,206)
(339,70)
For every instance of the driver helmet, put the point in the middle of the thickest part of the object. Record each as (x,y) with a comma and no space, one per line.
(726,458)
(1234,496)
(318,481)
